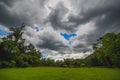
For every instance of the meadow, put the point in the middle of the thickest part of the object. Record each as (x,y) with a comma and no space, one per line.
(51,73)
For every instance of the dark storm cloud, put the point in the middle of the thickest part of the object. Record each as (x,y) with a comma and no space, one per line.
(6,18)
(51,43)
(111,22)
(104,13)
(12,15)
(109,8)
(56,15)
(107,18)
(8,2)
(111,11)
(107,22)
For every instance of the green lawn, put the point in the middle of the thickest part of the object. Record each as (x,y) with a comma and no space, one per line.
(44,73)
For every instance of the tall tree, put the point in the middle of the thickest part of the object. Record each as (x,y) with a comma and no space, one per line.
(108,47)
(13,50)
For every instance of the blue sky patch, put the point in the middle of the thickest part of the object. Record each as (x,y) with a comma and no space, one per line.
(68,37)
(3,32)
(44,55)
(37,28)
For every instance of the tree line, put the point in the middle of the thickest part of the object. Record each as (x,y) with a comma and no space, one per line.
(14,53)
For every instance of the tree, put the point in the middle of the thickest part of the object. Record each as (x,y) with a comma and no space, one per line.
(13,51)
(107,50)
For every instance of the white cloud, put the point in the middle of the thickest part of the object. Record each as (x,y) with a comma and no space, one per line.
(50,34)
(3,28)
(65,56)
(82,32)
(36,12)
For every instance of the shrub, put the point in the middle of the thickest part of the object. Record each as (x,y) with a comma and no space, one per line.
(4,64)
(82,65)
(12,63)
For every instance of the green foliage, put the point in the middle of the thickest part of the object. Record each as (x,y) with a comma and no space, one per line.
(12,63)
(83,65)
(61,63)
(4,64)
(107,51)
(14,53)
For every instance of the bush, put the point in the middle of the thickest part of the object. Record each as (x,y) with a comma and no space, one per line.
(82,65)
(4,64)
(25,64)
(12,63)
(22,63)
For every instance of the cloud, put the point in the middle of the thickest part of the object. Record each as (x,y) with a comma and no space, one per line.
(28,11)
(6,18)
(8,3)
(89,19)
(65,56)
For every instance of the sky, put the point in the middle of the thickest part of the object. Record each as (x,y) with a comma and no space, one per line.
(68,37)
(48,21)
(3,33)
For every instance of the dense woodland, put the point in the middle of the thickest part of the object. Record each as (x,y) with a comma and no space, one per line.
(14,53)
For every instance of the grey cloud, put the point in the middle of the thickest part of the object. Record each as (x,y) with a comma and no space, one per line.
(107,17)
(108,22)
(111,22)
(6,18)
(14,15)
(8,2)
(104,13)
(51,43)
(90,10)
(94,10)
(56,15)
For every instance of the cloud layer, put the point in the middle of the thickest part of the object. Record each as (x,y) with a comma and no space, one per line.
(89,19)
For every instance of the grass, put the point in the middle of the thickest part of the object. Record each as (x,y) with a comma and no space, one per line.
(45,73)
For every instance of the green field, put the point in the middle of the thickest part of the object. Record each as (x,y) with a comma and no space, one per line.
(45,73)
